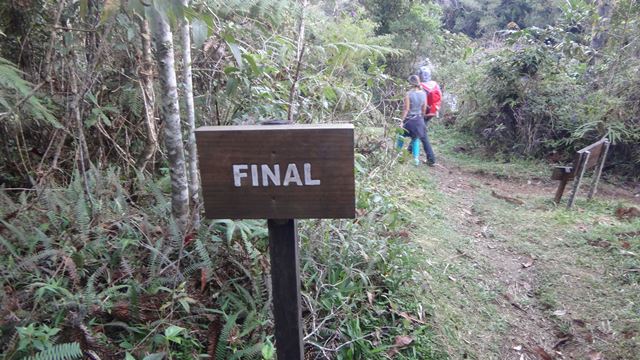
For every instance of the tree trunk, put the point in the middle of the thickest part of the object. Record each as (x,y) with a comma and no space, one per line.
(145,75)
(91,37)
(299,54)
(194,181)
(601,28)
(170,113)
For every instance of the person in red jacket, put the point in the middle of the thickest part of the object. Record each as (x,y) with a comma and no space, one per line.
(434,99)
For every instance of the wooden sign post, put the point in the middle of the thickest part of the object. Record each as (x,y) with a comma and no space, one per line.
(280,173)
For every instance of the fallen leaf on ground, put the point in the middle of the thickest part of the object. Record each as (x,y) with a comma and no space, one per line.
(599,243)
(544,355)
(627,213)
(579,322)
(593,355)
(507,198)
(629,234)
(626,245)
(517,348)
(527,263)
(403,340)
(560,312)
(411,318)
(370,297)
(561,341)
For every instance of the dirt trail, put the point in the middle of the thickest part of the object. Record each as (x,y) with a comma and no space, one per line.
(531,330)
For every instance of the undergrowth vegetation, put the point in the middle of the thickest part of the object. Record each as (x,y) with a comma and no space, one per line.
(104,269)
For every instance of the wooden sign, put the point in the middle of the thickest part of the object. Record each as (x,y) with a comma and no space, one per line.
(277,171)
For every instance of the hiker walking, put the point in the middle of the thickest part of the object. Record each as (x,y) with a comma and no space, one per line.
(413,112)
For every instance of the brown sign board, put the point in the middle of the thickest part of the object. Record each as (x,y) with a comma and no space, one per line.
(594,150)
(277,171)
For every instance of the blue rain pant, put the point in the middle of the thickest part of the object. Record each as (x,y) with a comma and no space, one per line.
(414,147)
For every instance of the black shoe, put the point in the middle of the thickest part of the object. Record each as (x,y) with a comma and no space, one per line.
(431,163)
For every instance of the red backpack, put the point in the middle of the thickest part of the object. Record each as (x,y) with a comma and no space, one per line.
(434,97)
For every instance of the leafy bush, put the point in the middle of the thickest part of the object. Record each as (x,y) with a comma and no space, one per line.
(540,94)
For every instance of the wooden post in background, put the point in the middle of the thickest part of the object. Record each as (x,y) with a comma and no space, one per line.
(596,177)
(584,158)
(285,280)
(561,186)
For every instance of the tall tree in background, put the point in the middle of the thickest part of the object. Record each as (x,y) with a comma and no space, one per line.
(192,155)
(601,28)
(299,55)
(145,77)
(170,113)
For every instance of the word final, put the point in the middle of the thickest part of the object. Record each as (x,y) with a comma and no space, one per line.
(271,175)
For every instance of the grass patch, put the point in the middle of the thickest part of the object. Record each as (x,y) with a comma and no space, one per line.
(462,150)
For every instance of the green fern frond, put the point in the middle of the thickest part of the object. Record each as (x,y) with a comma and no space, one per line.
(90,291)
(223,339)
(250,324)
(191,269)
(7,205)
(67,351)
(82,217)
(7,245)
(204,255)
(131,98)
(252,352)
(14,89)
(246,298)
(134,298)
(153,268)
(19,234)
(43,239)
(175,237)
(31,261)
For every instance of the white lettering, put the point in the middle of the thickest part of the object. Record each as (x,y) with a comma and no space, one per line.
(270,175)
(292,175)
(267,175)
(307,176)
(238,175)
(255,180)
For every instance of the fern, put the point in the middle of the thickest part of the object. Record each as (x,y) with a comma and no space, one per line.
(90,291)
(20,235)
(12,85)
(204,256)
(175,237)
(31,261)
(191,269)
(53,203)
(131,98)
(82,217)
(221,346)
(8,205)
(252,352)
(67,351)
(7,245)
(43,239)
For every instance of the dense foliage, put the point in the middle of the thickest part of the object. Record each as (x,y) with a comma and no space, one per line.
(551,90)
